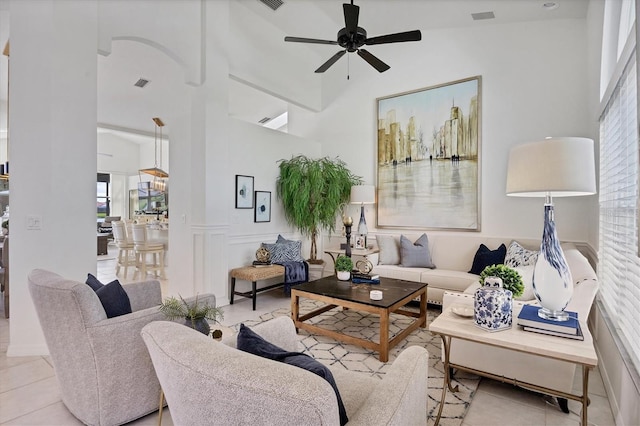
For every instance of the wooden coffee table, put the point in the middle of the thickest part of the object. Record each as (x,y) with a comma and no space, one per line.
(396,294)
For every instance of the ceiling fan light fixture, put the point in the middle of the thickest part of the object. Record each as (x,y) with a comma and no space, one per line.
(352,37)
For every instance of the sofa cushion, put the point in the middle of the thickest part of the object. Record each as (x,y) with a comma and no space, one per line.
(446,279)
(251,342)
(389,246)
(519,256)
(398,273)
(486,257)
(415,254)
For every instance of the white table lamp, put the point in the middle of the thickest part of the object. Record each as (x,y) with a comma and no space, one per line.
(363,194)
(554,167)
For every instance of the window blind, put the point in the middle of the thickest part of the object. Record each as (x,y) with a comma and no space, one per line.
(619,264)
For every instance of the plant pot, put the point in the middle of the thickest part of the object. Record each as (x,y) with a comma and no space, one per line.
(199,324)
(343,275)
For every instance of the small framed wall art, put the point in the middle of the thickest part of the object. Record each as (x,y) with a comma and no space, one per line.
(244,192)
(263,206)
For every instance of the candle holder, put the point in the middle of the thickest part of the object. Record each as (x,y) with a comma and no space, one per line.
(348,222)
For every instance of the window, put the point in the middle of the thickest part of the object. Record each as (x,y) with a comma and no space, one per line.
(102,196)
(619,264)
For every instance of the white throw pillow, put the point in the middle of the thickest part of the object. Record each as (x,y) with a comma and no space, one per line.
(389,246)
(526,272)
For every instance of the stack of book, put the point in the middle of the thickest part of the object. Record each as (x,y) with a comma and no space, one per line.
(531,321)
(259,264)
(360,278)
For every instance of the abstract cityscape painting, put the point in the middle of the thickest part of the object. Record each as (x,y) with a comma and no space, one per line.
(429,157)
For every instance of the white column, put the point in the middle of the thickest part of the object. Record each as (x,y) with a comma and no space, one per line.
(201,189)
(52,151)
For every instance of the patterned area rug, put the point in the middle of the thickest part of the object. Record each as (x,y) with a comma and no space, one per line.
(354,358)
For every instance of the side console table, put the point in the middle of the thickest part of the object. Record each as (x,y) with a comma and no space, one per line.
(451,327)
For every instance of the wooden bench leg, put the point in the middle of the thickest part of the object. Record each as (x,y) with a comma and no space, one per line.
(233,289)
(253,293)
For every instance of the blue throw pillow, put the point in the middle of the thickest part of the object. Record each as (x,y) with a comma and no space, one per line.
(486,257)
(416,254)
(93,282)
(249,341)
(114,299)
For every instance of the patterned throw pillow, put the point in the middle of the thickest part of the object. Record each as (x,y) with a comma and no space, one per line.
(285,252)
(519,256)
(526,272)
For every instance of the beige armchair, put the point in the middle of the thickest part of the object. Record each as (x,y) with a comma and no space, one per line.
(106,376)
(207,382)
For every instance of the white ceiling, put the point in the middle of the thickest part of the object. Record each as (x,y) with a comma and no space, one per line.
(122,106)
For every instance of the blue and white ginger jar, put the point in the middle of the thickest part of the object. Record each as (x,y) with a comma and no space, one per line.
(493,306)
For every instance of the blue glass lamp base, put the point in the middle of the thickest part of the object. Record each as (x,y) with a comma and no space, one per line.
(552,281)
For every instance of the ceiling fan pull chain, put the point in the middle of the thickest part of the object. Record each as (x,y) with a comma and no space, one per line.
(348,65)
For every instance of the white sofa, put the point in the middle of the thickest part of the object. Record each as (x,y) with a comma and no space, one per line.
(523,367)
(452,255)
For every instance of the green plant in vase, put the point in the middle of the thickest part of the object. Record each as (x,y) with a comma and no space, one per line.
(511,279)
(344,266)
(195,314)
(312,194)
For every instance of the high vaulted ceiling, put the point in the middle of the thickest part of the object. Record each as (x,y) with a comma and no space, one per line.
(123,106)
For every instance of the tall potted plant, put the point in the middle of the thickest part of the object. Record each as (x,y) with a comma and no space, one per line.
(312,192)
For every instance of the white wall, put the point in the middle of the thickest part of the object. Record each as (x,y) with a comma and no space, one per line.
(534,85)
(255,151)
(119,155)
(53,113)
(281,71)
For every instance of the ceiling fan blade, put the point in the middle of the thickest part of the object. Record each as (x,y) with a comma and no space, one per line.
(415,35)
(331,61)
(351,13)
(373,61)
(309,40)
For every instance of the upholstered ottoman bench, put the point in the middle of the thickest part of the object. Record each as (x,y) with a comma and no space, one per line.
(254,274)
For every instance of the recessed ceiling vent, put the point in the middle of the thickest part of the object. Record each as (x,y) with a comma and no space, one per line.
(141,82)
(483,15)
(272,4)
(264,120)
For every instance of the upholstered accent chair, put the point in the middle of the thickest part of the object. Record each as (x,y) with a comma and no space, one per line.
(102,365)
(208,382)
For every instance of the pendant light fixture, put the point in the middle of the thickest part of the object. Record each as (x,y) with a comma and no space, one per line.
(158,174)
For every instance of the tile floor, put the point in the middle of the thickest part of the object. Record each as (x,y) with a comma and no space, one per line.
(29,393)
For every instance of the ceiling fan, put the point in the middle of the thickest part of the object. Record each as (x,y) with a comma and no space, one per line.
(352,38)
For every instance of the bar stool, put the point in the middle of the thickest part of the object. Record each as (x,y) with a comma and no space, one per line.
(126,252)
(144,247)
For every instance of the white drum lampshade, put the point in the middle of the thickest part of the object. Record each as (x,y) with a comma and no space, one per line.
(554,167)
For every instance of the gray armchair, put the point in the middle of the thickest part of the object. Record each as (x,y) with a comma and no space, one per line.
(106,376)
(207,382)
